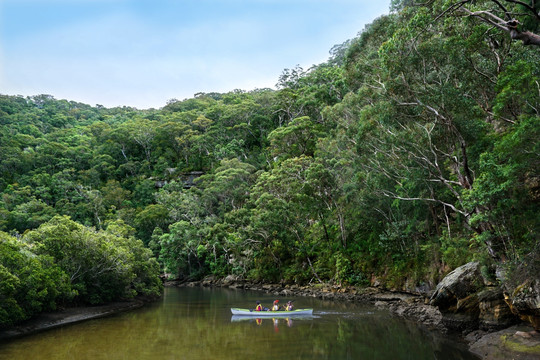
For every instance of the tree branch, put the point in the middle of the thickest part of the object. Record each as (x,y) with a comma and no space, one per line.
(527,6)
(395,196)
(510,26)
(506,13)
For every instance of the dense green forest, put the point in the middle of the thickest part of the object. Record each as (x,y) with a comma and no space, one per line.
(411,151)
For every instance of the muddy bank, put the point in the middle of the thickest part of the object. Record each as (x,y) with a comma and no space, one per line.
(50,320)
(519,342)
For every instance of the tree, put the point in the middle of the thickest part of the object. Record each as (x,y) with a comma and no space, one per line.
(153,215)
(179,250)
(228,188)
(299,137)
(289,220)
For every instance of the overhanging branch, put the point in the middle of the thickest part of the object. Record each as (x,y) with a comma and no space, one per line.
(509,25)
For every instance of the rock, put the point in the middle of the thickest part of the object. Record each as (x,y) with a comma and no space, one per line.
(495,314)
(208,281)
(507,344)
(423,289)
(468,304)
(458,284)
(457,299)
(375,281)
(230,280)
(524,301)
(474,336)
(524,334)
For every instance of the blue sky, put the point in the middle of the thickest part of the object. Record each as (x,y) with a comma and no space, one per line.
(143,53)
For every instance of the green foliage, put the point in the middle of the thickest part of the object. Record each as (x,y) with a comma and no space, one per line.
(297,138)
(30,283)
(102,265)
(63,262)
(455,252)
(507,189)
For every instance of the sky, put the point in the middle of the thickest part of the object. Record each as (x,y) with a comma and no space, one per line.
(144,53)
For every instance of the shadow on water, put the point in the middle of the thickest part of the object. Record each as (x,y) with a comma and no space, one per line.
(196,323)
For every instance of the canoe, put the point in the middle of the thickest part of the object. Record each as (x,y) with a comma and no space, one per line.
(251,312)
(238,318)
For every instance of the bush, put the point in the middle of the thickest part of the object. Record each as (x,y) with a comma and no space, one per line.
(102,265)
(29,283)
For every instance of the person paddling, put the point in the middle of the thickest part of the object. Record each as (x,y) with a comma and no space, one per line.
(289,306)
(275,307)
(258,307)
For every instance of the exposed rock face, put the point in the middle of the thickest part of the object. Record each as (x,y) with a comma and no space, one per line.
(468,304)
(524,301)
(494,311)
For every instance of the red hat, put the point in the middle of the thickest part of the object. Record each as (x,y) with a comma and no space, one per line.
(276,301)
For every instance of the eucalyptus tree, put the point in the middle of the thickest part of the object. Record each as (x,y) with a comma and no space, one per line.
(443,95)
(197,241)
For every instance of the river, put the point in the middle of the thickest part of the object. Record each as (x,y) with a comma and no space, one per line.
(196,323)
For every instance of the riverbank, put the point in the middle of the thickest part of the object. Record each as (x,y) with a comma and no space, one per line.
(518,342)
(67,316)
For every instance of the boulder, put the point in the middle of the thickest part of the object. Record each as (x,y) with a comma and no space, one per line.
(458,284)
(229,280)
(516,342)
(208,281)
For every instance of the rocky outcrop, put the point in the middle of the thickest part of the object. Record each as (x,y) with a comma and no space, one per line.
(458,284)
(494,311)
(524,301)
(468,302)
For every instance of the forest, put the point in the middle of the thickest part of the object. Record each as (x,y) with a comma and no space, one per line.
(412,150)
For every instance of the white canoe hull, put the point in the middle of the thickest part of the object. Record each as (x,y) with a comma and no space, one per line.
(250,312)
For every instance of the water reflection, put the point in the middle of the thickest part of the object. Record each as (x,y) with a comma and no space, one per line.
(236,318)
(276,321)
(196,324)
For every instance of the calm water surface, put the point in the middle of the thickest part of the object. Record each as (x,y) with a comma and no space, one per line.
(196,323)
